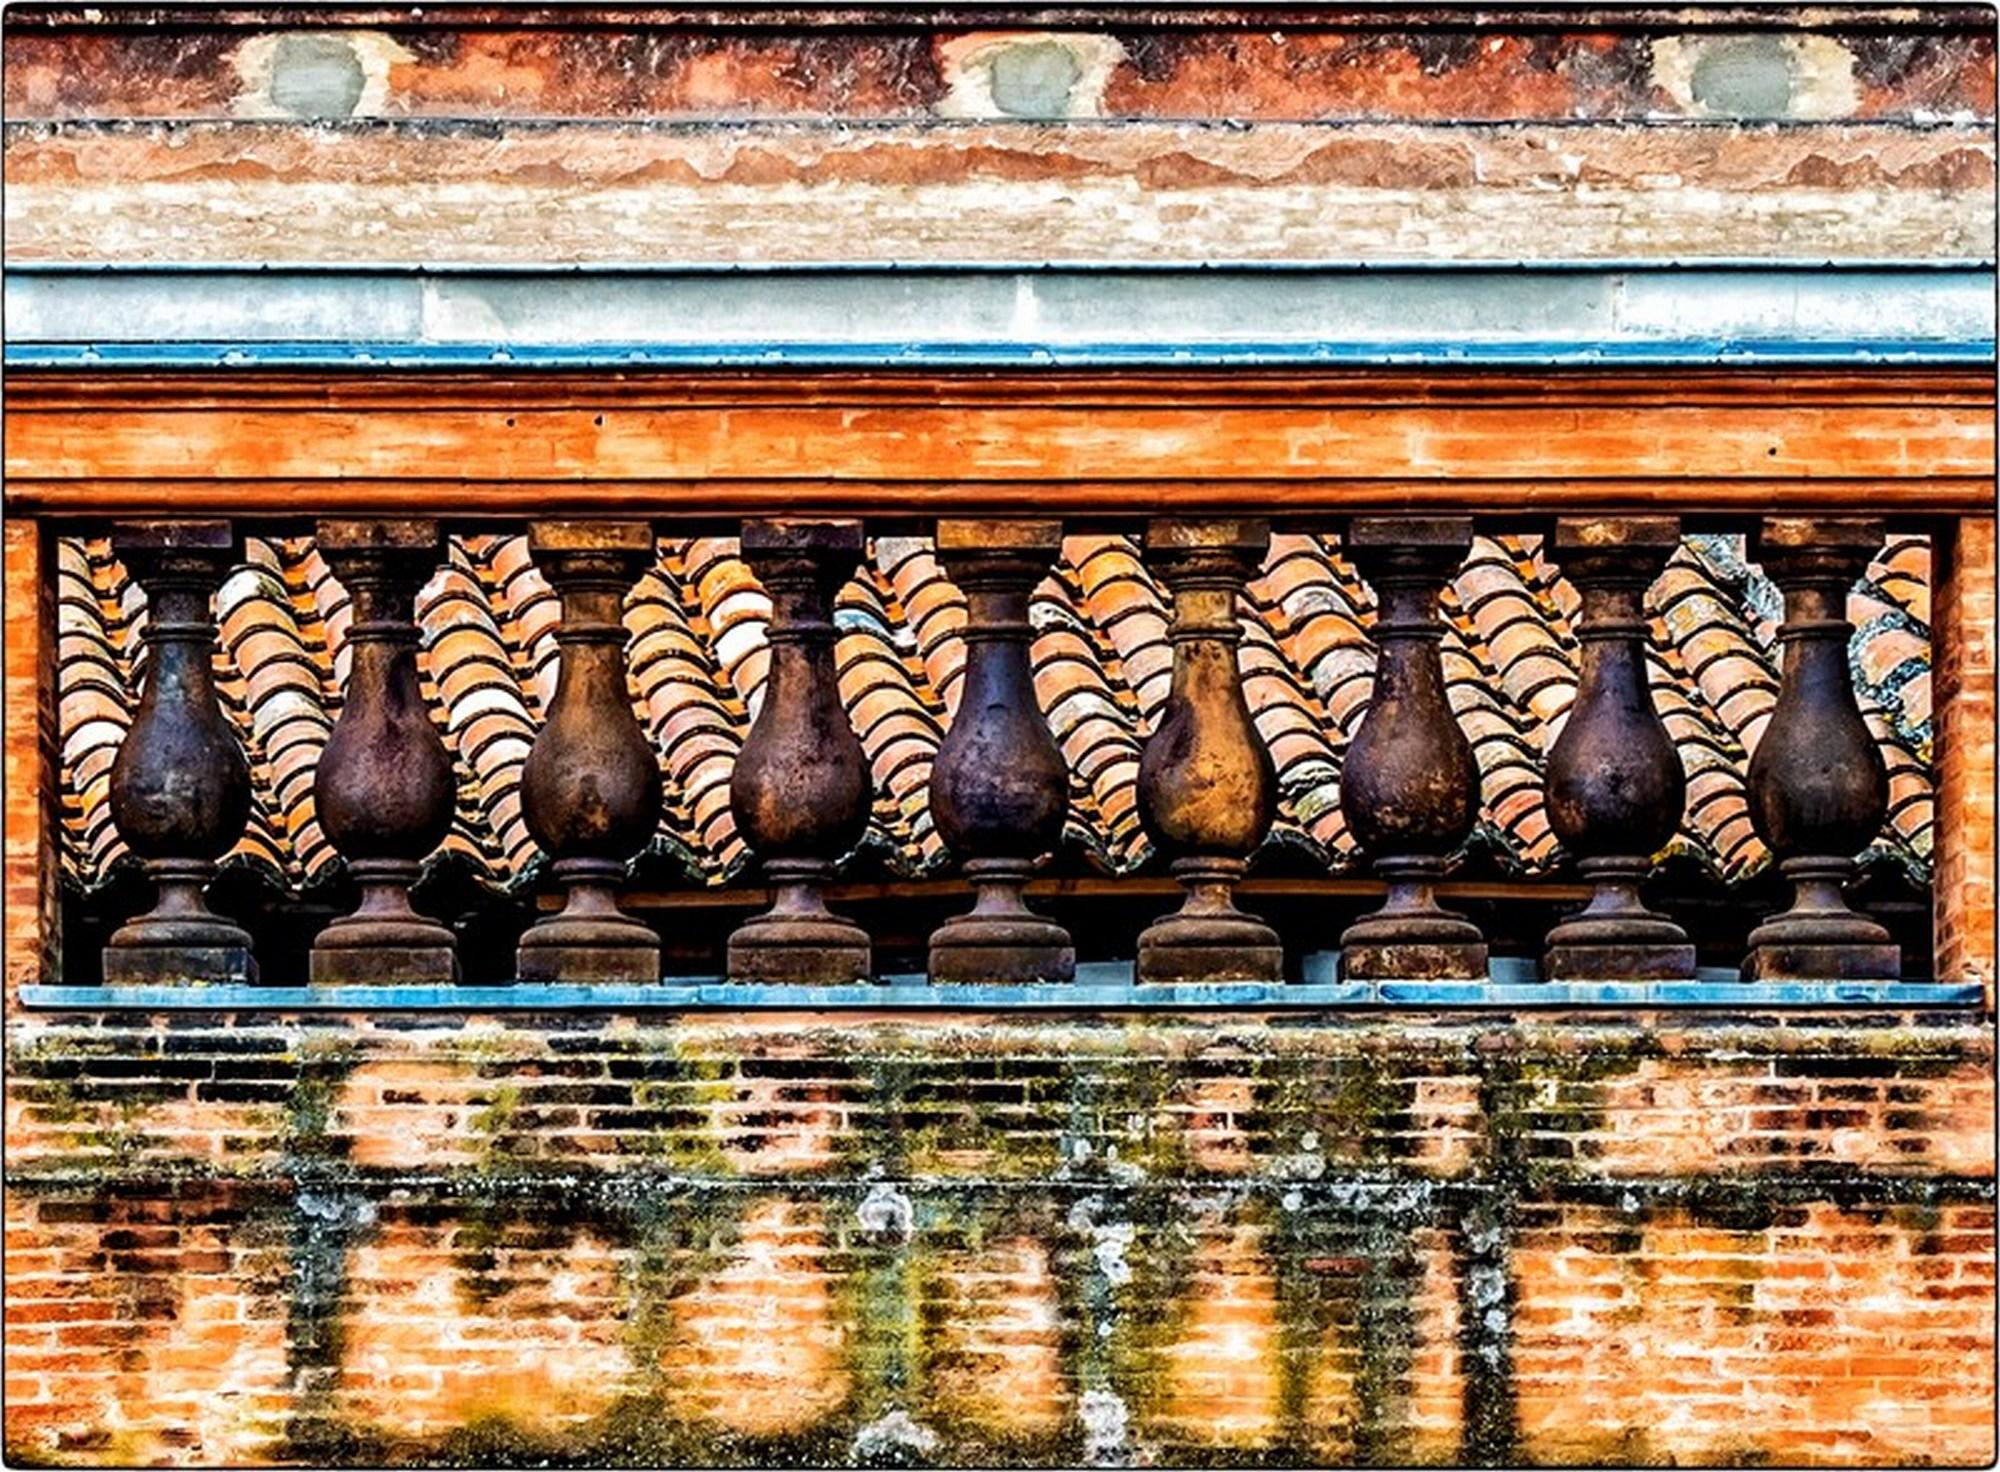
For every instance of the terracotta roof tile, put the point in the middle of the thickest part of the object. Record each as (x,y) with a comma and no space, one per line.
(1101,662)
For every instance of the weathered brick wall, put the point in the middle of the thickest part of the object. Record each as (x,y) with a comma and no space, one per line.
(1964,662)
(1176,1239)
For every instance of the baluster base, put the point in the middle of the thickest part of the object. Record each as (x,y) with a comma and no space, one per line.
(384,941)
(1172,962)
(1627,961)
(1209,939)
(1412,937)
(591,939)
(1824,963)
(1820,938)
(547,958)
(383,966)
(1615,937)
(1001,940)
(141,965)
(180,940)
(798,941)
(1413,961)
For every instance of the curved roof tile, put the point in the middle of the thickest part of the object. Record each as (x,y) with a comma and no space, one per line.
(1101,660)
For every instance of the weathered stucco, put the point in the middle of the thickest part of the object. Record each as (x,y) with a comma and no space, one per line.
(1000,191)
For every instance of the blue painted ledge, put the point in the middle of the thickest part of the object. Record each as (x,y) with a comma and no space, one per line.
(1416,352)
(1090,993)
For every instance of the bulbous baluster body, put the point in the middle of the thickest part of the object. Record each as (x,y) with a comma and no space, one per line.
(180,785)
(999,787)
(801,788)
(1409,787)
(383,789)
(1207,792)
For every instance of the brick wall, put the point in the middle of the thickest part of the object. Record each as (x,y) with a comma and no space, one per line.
(32,830)
(1963,689)
(1195,1239)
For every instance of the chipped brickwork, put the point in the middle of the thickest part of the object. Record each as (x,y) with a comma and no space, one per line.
(32,819)
(1963,881)
(1377,138)
(1143,66)
(992,1239)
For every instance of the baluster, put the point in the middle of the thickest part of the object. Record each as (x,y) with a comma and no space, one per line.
(1409,786)
(1614,783)
(1000,787)
(801,788)
(1207,792)
(180,786)
(590,789)
(383,788)
(1818,786)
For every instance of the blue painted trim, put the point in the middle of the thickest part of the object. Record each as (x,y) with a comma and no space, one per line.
(1745,352)
(1087,995)
(1665,265)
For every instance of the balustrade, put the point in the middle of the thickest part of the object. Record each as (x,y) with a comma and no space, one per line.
(801,788)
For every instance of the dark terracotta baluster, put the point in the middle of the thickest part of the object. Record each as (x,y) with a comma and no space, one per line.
(1818,786)
(180,787)
(1207,793)
(801,788)
(1409,786)
(590,789)
(1000,787)
(384,786)
(1614,782)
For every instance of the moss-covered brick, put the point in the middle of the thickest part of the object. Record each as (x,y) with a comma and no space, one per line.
(1182,1240)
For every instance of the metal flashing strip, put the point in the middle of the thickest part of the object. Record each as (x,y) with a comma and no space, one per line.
(1085,995)
(361,357)
(1048,266)
(92,317)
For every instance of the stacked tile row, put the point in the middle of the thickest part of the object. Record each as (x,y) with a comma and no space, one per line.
(808,783)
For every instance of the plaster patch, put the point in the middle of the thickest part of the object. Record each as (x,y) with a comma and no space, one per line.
(885,1211)
(1106,1424)
(306,74)
(892,1435)
(1027,74)
(1803,78)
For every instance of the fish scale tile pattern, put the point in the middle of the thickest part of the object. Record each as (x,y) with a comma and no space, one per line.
(1102,665)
